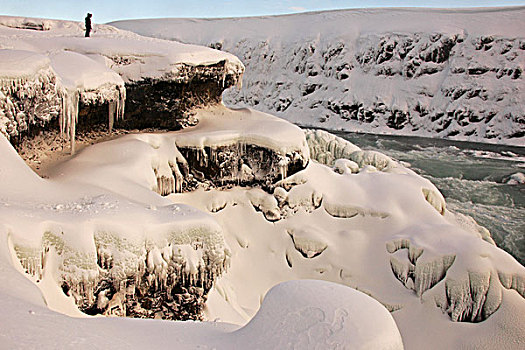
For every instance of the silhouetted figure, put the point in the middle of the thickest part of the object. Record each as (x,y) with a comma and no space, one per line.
(88,24)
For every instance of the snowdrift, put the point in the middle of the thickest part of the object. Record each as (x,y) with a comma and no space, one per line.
(99,238)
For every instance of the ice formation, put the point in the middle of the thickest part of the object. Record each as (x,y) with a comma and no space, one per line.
(166,274)
(44,88)
(472,299)
(419,277)
(30,86)
(308,241)
(347,158)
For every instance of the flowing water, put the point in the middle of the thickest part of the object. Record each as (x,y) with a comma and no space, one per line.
(472,176)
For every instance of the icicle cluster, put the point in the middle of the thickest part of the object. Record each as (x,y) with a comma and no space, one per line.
(139,279)
(415,273)
(114,95)
(28,100)
(239,163)
(469,297)
(326,148)
(37,99)
(513,281)
(474,298)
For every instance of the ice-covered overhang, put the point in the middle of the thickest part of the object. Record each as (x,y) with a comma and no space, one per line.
(221,126)
(48,67)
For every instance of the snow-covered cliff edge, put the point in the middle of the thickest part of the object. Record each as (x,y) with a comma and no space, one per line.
(50,73)
(427,72)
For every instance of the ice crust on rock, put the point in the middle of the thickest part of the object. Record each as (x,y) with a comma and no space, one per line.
(308,241)
(472,299)
(226,147)
(347,158)
(34,88)
(513,281)
(326,148)
(165,275)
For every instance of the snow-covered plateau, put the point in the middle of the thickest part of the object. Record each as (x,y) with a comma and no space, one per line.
(428,72)
(274,236)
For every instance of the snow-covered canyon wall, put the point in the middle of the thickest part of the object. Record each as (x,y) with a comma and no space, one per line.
(428,72)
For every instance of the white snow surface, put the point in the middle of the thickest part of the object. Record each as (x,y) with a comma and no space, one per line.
(454,73)
(107,191)
(220,126)
(365,229)
(356,218)
(148,58)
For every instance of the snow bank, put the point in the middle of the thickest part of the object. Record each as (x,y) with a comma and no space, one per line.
(325,147)
(297,313)
(375,231)
(98,231)
(315,314)
(431,72)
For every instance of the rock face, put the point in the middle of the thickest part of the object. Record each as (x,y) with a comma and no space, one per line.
(442,73)
(166,103)
(240,164)
(476,97)
(35,104)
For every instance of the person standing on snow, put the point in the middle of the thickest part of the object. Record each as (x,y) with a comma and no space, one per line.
(88,24)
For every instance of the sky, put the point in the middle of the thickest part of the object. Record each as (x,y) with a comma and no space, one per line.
(110,10)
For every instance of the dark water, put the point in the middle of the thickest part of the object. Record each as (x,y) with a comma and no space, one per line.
(471,176)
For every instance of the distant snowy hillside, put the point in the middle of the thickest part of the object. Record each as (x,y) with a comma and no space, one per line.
(429,72)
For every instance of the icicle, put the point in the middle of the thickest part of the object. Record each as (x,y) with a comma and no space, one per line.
(238,84)
(73,118)
(111,111)
(121,101)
